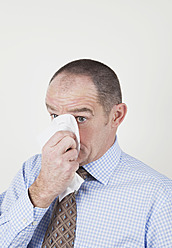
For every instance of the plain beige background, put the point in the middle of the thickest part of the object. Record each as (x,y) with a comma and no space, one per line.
(133,37)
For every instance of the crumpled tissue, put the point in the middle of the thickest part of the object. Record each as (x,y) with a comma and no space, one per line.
(63,122)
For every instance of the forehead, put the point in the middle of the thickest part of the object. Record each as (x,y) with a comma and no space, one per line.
(67,82)
(71,88)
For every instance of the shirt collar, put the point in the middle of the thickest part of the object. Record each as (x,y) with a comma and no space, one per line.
(102,168)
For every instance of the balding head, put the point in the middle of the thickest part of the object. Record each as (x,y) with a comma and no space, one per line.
(103,77)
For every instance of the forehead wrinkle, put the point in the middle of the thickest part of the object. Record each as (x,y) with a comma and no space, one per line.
(72,105)
(50,107)
(72,94)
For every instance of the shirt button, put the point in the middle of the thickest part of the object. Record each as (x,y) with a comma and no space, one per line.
(34,223)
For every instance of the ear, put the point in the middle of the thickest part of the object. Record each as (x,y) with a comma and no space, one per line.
(118,113)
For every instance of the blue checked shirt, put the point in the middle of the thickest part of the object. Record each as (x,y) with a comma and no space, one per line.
(127,205)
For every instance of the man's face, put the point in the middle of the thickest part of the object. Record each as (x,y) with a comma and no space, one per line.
(77,95)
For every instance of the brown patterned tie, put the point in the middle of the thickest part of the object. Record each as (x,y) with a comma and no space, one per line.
(61,229)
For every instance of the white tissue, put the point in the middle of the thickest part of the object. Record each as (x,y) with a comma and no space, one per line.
(64,122)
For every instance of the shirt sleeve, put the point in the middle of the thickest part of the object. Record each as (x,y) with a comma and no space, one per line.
(159,228)
(18,217)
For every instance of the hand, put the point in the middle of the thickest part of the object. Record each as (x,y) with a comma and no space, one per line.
(58,168)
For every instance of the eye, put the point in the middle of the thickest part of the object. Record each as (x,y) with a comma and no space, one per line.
(53,116)
(81,119)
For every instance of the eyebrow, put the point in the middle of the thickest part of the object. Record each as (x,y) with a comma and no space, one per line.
(50,107)
(76,110)
(79,110)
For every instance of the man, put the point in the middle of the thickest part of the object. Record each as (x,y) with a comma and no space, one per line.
(123,203)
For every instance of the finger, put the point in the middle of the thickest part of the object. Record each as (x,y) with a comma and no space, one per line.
(58,136)
(65,145)
(74,165)
(71,155)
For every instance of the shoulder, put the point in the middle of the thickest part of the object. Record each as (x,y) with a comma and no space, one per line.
(140,172)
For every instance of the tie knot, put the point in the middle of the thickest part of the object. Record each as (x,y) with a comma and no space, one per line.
(83,173)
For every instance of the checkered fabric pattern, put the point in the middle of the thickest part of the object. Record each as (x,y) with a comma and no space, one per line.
(127,205)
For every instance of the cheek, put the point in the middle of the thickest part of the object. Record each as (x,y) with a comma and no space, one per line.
(86,136)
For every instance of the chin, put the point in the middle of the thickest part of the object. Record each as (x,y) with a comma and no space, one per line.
(82,161)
